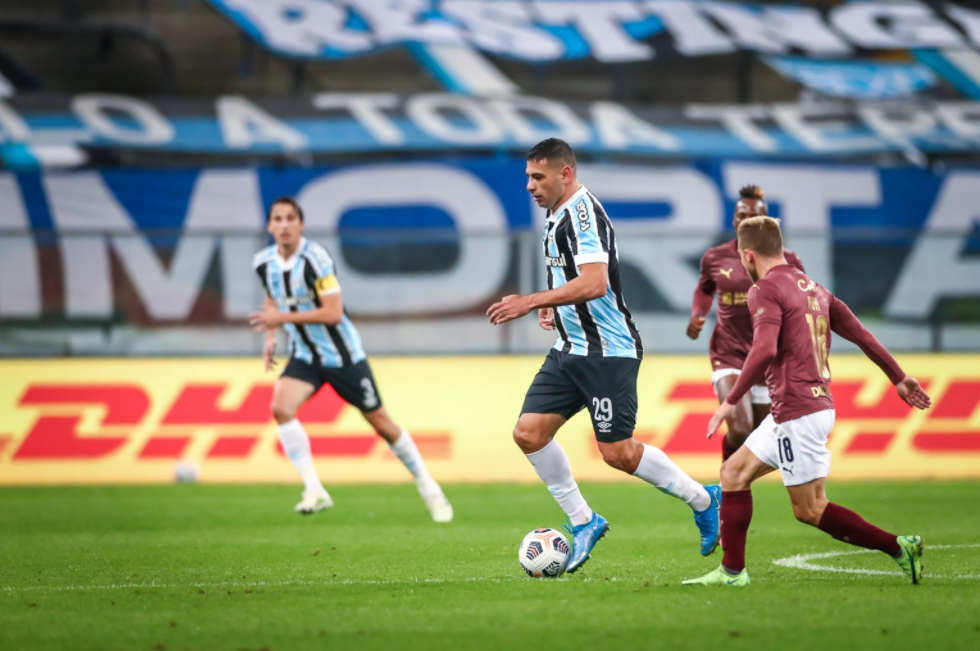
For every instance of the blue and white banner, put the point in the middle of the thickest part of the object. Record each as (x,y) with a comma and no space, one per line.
(37,131)
(610,31)
(867,80)
(437,238)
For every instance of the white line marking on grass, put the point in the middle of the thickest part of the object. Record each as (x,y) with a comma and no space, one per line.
(805,562)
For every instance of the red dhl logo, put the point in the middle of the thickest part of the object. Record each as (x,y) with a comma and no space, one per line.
(55,433)
(57,436)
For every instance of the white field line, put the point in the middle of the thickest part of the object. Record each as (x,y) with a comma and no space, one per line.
(805,562)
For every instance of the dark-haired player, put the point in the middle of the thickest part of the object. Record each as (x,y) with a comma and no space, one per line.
(303,296)
(794,318)
(722,273)
(595,362)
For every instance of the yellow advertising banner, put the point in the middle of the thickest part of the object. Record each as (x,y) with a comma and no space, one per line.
(132,420)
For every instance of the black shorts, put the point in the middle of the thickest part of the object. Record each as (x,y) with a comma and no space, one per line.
(354,382)
(606,386)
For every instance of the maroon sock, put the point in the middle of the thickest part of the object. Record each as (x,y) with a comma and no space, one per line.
(846,525)
(736,514)
(727,448)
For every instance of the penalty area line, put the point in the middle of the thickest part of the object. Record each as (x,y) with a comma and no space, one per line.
(806,562)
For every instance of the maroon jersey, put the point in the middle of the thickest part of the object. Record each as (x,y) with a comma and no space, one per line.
(800,314)
(722,273)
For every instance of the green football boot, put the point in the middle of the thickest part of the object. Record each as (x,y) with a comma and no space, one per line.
(719,576)
(911,558)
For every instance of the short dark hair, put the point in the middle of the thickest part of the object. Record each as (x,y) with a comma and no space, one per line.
(762,235)
(553,149)
(751,192)
(289,201)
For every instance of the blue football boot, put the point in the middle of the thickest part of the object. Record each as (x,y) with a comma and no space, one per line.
(708,521)
(584,538)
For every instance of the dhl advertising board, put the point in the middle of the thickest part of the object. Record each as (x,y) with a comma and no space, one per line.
(132,420)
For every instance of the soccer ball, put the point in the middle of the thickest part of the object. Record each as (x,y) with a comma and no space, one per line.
(544,553)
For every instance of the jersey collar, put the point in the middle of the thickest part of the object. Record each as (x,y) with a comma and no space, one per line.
(287,263)
(581,192)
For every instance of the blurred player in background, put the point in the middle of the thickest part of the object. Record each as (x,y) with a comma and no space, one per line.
(594,364)
(793,319)
(303,296)
(722,272)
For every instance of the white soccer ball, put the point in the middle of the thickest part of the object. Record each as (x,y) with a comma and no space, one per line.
(186,472)
(544,553)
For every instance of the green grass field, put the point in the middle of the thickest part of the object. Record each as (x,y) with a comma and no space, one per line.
(219,567)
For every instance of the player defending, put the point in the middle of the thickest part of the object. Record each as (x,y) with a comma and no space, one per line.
(722,272)
(303,296)
(595,362)
(793,319)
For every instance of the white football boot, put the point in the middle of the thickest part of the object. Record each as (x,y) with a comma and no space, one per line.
(314,501)
(439,506)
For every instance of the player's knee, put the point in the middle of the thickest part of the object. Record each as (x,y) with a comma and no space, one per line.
(733,477)
(282,413)
(621,458)
(528,439)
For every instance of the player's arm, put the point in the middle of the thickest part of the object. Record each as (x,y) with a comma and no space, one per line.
(767,319)
(269,349)
(591,283)
(844,323)
(704,295)
(330,312)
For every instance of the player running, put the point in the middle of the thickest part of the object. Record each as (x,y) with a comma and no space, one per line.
(722,272)
(595,362)
(793,319)
(303,296)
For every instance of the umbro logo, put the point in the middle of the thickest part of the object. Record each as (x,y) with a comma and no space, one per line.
(605,427)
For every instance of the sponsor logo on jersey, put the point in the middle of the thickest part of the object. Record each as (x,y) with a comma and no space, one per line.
(805,285)
(293,301)
(582,211)
(554,261)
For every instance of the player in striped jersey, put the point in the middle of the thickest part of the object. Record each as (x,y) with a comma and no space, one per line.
(595,362)
(303,297)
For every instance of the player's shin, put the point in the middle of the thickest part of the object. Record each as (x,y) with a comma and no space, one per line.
(847,526)
(656,468)
(736,515)
(551,464)
(408,453)
(296,445)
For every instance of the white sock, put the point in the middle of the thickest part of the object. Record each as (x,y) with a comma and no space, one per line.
(296,445)
(551,464)
(405,449)
(656,468)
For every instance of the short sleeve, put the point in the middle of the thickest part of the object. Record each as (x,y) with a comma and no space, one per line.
(794,260)
(764,305)
(588,245)
(319,275)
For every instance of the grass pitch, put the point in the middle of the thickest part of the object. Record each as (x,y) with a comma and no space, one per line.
(175,568)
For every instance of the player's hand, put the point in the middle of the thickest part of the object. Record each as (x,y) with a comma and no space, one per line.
(724,411)
(268,354)
(509,308)
(694,326)
(546,318)
(268,319)
(912,393)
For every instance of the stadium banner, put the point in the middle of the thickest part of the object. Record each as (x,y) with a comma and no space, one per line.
(443,239)
(861,79)
(47,131)
(539,31)
(132,421)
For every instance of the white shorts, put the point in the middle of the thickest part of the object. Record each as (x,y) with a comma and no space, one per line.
(798,447)
(760,394)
